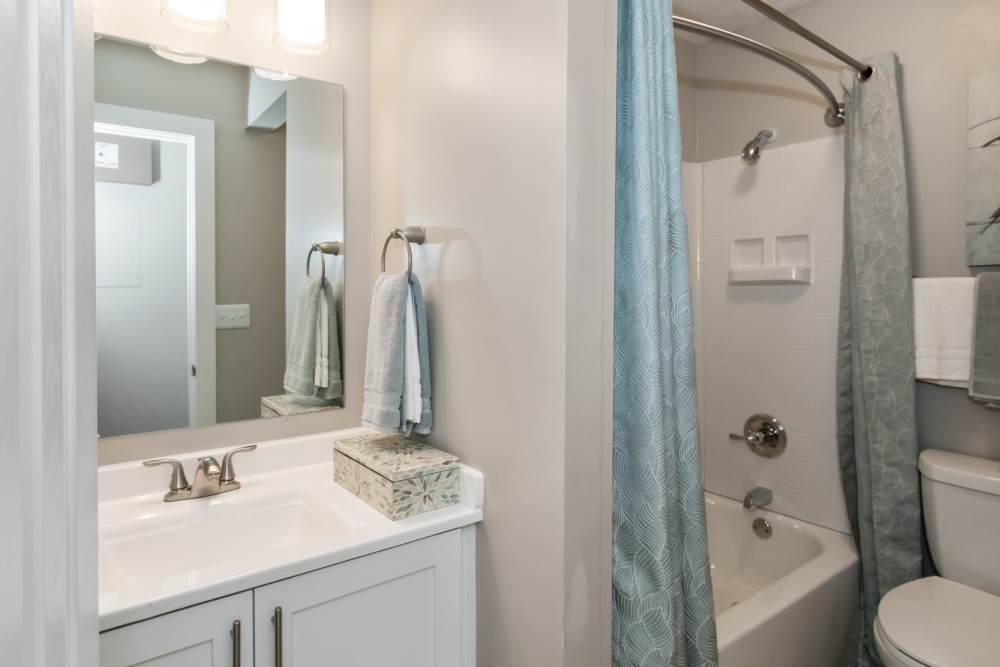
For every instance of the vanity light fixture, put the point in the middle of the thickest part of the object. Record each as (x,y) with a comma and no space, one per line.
(300,26)
(197,15)
(178,56)
(273,74)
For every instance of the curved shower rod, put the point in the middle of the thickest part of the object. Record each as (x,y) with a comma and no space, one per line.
(835,114)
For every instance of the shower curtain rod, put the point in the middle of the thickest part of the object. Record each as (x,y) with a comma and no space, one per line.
(787,22)
(835,114)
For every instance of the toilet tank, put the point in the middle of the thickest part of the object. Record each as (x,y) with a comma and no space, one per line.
(962,516)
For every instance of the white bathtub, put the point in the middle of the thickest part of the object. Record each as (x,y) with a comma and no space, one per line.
(787,601)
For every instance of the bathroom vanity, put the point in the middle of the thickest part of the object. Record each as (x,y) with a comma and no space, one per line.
(290,569)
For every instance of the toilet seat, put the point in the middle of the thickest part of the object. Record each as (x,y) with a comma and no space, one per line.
(934,622)
(892,656)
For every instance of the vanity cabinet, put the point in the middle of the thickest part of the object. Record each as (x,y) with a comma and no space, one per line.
(410,605)
(212,634)
(396,607)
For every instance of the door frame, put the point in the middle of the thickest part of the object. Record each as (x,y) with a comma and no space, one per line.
(197,135)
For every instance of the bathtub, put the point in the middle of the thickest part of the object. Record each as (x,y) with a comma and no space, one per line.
(787,601)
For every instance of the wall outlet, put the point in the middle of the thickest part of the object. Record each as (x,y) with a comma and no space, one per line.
(232,316)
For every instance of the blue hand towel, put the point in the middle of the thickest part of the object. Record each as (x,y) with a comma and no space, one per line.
(300,368)
(385,366)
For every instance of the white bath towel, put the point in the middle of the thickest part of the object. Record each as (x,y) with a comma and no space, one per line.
(943,316)
(321,376)
(412,403)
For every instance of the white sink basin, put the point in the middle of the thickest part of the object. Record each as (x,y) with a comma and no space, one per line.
(290,517)
(190,539)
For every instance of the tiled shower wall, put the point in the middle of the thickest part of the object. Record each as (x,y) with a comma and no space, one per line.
(769,348)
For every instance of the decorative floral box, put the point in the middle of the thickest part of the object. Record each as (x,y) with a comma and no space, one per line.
(397,476)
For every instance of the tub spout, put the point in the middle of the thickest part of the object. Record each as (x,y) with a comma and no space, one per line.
(758,497)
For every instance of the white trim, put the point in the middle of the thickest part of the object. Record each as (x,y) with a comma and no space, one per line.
(197,135)
(48,418)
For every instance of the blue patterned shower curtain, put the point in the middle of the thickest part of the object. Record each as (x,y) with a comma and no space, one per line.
(663,613)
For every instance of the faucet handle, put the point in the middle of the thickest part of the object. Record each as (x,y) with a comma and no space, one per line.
(228,474)
(178,481)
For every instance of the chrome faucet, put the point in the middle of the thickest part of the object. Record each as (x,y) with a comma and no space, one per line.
(210,479)
(758,497)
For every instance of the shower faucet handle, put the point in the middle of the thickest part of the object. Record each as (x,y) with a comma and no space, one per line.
(764,435)
(754,439)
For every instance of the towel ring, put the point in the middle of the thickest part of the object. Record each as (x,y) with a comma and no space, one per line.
(411,234)
(328,248)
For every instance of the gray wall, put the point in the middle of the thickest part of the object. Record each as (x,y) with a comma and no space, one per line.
(940,44)
(491,125)
(250,208)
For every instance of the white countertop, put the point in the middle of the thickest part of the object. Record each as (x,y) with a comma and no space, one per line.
(289,518)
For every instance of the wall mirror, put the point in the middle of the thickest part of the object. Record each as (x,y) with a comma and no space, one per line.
(213,184)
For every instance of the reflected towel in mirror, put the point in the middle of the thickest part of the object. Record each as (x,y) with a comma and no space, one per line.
(313,365)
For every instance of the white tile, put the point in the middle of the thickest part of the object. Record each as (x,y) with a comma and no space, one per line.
(772,348)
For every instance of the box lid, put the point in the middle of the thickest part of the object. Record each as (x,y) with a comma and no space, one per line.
(396,457)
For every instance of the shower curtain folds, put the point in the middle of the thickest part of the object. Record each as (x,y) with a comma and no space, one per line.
(663,612)
(875,360)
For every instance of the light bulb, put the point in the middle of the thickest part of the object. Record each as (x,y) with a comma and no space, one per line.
(198,15)
(274,75)
(300,26)
(178,56)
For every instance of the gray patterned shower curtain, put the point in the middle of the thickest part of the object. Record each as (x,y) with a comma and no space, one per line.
(875,362)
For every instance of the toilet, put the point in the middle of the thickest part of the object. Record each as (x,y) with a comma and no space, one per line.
(952,620)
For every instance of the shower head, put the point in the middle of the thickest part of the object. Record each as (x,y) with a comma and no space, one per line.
(751,152)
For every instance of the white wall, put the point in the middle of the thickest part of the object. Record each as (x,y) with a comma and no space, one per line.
(142,327)
(491,126)
(771,348)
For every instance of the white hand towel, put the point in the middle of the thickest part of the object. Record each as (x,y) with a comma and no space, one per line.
(943,316)
(412,403)
(322,371)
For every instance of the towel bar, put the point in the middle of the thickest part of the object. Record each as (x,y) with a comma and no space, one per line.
(326,248)
(410,234)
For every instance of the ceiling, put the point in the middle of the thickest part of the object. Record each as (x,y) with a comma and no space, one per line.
(732,14)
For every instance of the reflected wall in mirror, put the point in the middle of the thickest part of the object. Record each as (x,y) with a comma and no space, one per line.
(213,183)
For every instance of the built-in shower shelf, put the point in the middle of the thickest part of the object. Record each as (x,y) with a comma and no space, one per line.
(780,260)
(771,275)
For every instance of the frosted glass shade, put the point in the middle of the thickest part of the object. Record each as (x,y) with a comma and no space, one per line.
(273,74)
(300,26)
(178,56)
(198,15)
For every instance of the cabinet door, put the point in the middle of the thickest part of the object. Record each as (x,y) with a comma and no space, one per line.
(205,635)
(402,606)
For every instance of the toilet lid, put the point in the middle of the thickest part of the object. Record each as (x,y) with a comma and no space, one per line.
(942,623)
